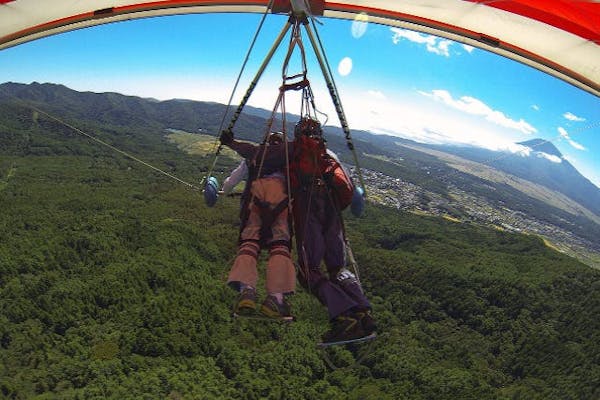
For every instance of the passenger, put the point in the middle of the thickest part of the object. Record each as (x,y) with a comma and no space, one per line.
(320,190)
(264,224)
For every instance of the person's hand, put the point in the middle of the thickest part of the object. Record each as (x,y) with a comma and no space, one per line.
(328,166)
(226,137)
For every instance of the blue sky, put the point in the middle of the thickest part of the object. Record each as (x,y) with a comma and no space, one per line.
(390,80)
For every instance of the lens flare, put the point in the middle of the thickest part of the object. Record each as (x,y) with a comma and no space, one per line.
(345,66)
(359,25)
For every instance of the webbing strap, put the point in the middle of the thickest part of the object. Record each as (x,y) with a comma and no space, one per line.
(295,86)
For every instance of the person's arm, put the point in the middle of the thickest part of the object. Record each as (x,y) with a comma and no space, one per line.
(246,150)
(237,175)
(333,155)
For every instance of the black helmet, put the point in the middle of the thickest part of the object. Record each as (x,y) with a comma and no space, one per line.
(275,138)
(308,127)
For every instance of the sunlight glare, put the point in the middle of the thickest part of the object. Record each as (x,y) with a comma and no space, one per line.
(359,25)
(345,66)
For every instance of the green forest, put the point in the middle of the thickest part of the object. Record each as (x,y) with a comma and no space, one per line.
(112,286)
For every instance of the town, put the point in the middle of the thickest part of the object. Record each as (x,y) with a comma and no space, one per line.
(462,206)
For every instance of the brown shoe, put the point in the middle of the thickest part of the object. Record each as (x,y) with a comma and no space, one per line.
(366,321)
(273,309)
(246,302)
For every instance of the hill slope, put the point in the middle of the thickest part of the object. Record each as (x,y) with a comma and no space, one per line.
(112,286)
(455,190)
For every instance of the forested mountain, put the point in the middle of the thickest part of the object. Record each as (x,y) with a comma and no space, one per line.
(112,280)
(391,156)
(192,116)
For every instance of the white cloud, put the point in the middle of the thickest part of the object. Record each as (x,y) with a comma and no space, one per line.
(376,94)
(425,120)
(549,157)
(576,145)
(471,105)
(433,44)
(413,36)
(519,149)
(442,48)
(572,117)
(468,48)
(565,135)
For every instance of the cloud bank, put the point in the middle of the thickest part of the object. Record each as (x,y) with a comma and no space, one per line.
(572,117)
(433,44)
(471,105)
(565,135)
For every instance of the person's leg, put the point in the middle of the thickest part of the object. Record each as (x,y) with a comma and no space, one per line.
(281,274)
(243,271)
(311,249)
(243,275)
(356,321)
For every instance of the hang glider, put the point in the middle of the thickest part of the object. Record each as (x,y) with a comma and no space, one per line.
(558,37)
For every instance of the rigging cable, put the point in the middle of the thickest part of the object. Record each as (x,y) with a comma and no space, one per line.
(326,69)
(237,81)
(130,156)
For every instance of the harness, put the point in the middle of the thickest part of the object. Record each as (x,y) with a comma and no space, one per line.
(268,214)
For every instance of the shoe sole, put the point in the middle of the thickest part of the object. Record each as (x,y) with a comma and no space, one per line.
(341,342)
(245,306)
(268,312)
(259,317)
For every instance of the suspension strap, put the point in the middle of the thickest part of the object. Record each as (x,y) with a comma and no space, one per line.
(249,91)
(259,73)
(326,70)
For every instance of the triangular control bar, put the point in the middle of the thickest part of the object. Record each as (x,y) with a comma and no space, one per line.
(299,14)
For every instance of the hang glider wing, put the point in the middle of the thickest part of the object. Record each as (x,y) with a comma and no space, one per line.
(559,37)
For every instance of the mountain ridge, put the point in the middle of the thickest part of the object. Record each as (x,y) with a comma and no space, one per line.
(543,146)
(192,116)
(560,176)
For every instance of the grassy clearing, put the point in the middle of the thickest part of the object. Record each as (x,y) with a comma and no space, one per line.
(198,144)
(450,218)
(9,174)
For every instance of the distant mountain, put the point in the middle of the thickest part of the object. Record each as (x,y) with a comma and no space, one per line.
(542,146)
(544,165)
(378,152)
(122,110)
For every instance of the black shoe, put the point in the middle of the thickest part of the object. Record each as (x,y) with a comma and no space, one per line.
(366,321)
(246,302)
(344,328)
(273,309)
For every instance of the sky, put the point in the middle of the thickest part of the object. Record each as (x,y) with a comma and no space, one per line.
(390,80)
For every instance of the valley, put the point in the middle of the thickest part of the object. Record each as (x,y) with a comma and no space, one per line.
(112,278)
(459,204)
(467,207)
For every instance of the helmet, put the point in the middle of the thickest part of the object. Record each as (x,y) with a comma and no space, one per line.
(276,138)
(308,127)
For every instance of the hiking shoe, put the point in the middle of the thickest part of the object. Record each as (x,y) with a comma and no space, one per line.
(273,309)
(246,302)
(366,321)
(344,328)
